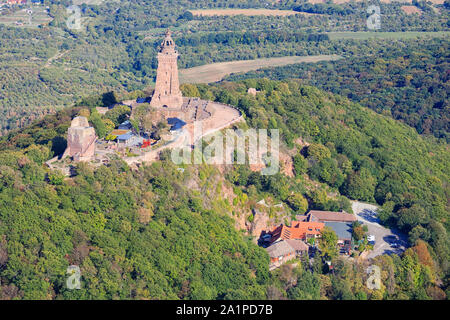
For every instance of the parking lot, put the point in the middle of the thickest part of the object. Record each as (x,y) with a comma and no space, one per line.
(387,241)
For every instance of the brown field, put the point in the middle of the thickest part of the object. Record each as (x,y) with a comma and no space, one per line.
(411,9)
(245,12)
(217,71)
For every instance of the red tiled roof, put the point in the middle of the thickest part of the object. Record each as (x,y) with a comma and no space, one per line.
(323,216)
(276,232)
(119,132)
(298,230)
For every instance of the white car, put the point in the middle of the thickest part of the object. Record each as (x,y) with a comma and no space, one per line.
(371,238)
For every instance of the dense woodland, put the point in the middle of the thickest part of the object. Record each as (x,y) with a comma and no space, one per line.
(363,155)
(158,233)
(46,68)
(407,80)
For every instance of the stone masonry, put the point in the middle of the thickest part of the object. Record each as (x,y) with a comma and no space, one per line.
(80,140)
(167,89)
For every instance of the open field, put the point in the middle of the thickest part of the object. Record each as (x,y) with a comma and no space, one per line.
(385,35)
(411,10)
(245,12)
(21,18)
(217,71)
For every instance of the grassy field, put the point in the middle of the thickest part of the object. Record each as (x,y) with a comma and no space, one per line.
(21,18)
(385,35)
(217,71)
(245,12)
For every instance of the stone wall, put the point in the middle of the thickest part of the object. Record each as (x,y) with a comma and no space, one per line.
(80,140)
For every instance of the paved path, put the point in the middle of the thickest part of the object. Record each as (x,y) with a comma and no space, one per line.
(385,239)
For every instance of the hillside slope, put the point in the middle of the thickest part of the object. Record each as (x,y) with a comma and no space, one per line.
(159,233)
(366,156)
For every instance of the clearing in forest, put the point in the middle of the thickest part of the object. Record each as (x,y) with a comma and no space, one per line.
(411,9)
(217,71)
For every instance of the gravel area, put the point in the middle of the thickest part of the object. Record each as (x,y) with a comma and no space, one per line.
(387,241)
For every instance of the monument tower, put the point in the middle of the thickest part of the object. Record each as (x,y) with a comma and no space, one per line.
(80,140)
(167,89)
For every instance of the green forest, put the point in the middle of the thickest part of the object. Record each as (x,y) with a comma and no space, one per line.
(407,80)
(375,124)
(365,156)
(47,68)
(159,233)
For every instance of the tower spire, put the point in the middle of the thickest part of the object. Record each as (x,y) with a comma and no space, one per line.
(168,45)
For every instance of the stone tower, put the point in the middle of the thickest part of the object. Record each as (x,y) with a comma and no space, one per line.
(80,140)
(167,90)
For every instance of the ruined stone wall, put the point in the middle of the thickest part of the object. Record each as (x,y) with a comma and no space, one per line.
(80,140)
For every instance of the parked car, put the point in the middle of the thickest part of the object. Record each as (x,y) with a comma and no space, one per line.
(371,239)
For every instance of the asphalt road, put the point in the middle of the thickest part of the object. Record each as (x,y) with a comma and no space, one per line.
(387,241)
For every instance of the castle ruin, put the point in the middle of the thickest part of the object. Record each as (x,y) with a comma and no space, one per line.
(80,140)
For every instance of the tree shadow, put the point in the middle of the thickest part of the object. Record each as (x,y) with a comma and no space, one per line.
(109,98)
(59,145)
(369,215)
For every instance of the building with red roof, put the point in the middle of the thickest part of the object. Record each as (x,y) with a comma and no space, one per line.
(283,251)
(299,230)
(16,1)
